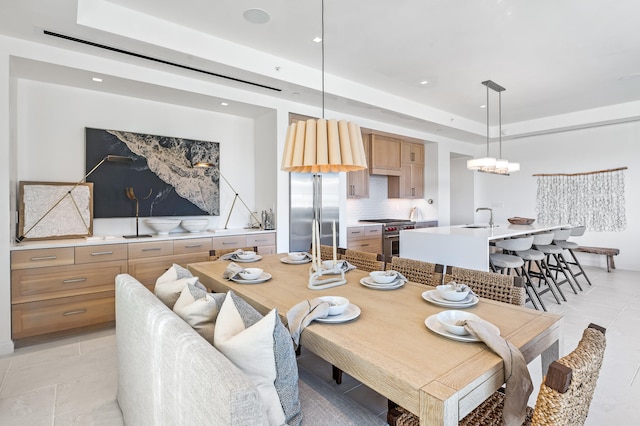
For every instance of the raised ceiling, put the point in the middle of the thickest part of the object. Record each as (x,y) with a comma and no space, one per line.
(563,62)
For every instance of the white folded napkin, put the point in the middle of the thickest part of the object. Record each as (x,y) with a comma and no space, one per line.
(232,270)
(399,276)
(301,314)
(344,265)
(516,374)
(232,255)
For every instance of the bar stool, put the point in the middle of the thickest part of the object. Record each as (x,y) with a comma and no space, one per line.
(576,231)
(560,265)
(505,262)
(532,256)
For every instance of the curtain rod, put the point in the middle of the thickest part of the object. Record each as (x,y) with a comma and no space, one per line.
(581,174)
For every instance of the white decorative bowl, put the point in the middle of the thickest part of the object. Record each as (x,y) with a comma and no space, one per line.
(383,277)
(297,256)
(163,226)
(449,292)
(246,255)
(250,273)
(195,225)
(338,304)
(449,320)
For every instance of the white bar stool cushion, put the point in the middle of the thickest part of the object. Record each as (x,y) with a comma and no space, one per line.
(530,255)
(501,261)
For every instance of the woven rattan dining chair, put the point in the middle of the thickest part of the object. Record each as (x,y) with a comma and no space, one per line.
(490,285)
(363,260)
(417,271)
(216,254)
(565,393)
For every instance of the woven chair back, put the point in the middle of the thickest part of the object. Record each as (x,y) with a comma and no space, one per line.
(555,407)
(500,287)
(363,260)
(417,271)
(216,254)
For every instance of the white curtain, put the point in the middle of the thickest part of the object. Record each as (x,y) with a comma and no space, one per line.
(594,199)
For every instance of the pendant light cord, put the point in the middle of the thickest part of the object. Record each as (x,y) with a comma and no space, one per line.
(500,121)
(487,120)
(322,47)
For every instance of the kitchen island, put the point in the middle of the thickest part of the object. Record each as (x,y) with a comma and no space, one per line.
(465,246)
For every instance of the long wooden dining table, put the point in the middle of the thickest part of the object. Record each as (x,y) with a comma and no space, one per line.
(388,347)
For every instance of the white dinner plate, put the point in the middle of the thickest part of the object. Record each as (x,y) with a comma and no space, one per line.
(434,325)
(428,296)
(350,313)
(368,282)
(253,259)
(262,278)
(295,262)
(435,294)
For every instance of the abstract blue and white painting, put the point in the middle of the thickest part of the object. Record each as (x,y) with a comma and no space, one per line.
(162,174)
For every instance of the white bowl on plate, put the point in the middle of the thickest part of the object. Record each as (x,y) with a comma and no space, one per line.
(328,264)
(449,292)
(297,256)
(449,320)
(383,277)
(162,226)
(338,304)
(246,255)
(250,273)
(195,225)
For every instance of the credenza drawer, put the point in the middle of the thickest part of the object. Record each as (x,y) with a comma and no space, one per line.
(261,240)
(101,253)
(142,250)
(35,318)
(40,258)
(192,245)
(28,285)
(236,241)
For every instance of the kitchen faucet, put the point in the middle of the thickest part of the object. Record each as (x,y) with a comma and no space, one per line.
(490,217)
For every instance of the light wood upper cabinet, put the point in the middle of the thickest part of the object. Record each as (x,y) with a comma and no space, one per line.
(358,182)
(385,156)
(412,153)
(410,183)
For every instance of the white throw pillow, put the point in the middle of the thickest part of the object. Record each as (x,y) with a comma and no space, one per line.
(169,285)
(262,348)
(199,309)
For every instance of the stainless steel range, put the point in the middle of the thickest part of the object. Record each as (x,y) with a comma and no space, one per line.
(391,235)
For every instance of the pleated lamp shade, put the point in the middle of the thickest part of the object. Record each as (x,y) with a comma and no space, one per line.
(323,146)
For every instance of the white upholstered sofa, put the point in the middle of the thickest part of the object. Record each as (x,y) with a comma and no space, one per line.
(169,375)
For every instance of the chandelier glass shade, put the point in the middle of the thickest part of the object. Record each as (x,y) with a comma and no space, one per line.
(499,166)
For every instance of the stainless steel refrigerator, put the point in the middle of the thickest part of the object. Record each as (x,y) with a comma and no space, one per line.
(303,200)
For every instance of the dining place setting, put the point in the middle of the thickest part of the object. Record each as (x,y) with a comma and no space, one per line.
(242,256)
(452,295)
(384,280)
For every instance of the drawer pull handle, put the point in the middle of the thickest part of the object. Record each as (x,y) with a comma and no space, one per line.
(44,258)
(227,243)
(355,232)
(259,241)
(152,249)
(193,246)
(78,311)
(364,245)
(100,253)
(74,280)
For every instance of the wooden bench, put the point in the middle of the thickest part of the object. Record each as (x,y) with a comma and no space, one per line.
(609,252)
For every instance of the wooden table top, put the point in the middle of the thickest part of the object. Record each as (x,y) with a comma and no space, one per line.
(388,347)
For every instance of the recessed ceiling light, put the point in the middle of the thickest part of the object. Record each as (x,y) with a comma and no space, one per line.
(424,82)
(97,79)
(629,76)
(483,106)
(224,103)
(256,16)
(317,39)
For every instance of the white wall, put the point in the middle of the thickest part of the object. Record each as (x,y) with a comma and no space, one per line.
(461,191)
(54,149)
(597,148)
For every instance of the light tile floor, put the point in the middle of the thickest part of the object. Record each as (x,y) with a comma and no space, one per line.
(73,381)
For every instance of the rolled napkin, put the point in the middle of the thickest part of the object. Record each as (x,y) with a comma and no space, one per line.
(516,374)
(301,314)
(399,275)
(342,264)
(232,270)
(232,255)
(461,287)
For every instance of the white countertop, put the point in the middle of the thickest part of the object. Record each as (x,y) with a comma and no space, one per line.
(112,239)
(461,246)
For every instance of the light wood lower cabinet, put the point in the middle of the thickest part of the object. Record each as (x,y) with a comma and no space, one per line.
(58,289)
(367,238)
